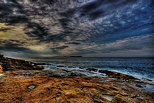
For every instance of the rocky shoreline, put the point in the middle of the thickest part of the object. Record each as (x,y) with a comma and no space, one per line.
(25,82)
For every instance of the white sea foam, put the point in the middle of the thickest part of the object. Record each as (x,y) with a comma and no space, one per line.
(136,67)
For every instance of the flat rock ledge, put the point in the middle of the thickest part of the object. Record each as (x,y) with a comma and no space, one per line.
(25,82)
(23,86)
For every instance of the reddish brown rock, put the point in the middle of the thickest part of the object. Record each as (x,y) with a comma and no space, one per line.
(30,86)
(1,68)
(15,87)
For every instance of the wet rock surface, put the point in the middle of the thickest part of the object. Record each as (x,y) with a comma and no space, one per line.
(59,73)
(118,75)
(92,69)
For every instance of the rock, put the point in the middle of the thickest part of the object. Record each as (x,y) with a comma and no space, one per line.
(147,101)
(63,86)
(145,79)
(33,86)
(92,69)
(58,94)
(75,89)
(109,73)
(123,99)
(134,95)
(39,64)
(61,66)
(14,64)
(37,68)
(58,73)
(118,75)
(82,67)
(108,97)
(1,69)
(138,85)
(73,73)
(1,75)
(71,66)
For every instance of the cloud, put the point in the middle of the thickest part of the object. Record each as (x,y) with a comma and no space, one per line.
(75,27)
(75,43)
(12,47)
(61,47)
(63,20)
(132,46)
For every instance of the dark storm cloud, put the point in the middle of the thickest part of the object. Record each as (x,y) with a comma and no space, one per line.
(13,13)
(59,14)
(100,8)
(118,35)
(66,25)
(61,47)
(7,9)
(16,19)
(75,43)
(12,47)
(38,30)
(4,29)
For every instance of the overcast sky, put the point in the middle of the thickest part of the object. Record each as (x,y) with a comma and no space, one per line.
(102,28)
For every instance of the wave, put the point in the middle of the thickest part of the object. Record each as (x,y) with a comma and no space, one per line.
(137,67)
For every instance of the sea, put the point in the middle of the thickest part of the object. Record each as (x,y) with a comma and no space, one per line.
(139,67)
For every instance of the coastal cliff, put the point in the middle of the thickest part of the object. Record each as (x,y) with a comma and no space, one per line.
(23,83)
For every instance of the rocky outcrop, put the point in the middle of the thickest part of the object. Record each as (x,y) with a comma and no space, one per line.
(18,87)
(59,73)
(92,69)
(117,75)
(63,86)
(13,64)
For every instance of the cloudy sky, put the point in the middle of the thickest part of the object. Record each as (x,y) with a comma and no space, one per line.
(102,28)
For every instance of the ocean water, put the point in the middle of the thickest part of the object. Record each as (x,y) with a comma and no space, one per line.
(138,67)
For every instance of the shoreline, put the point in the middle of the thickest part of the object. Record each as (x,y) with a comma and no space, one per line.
(61,71)
(93,72)
(28,83)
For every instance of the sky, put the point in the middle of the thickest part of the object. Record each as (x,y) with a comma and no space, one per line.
(89,28)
